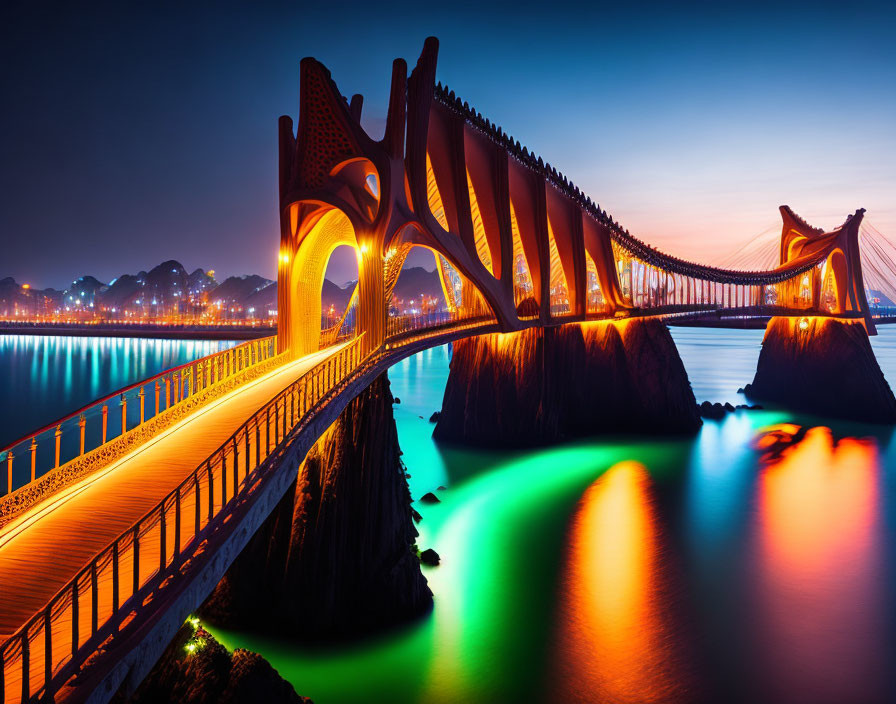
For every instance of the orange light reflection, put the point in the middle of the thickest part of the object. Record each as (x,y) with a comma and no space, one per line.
(613,644)
(818,570)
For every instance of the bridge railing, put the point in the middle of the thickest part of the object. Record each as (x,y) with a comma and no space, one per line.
(410,334)
(399,326)
(108,427)
(335,335)
(120,581)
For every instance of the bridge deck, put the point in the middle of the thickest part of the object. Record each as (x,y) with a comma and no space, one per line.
(45,548)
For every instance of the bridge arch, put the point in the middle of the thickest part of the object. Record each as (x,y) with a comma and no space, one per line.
(306,267)
(458,297)
(834,274)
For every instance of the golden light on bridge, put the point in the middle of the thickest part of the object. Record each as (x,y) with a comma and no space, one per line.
(804,324)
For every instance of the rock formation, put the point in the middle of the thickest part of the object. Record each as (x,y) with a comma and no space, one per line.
(824,366)
(338,557)
(196,669)
(543,385)
(717,411)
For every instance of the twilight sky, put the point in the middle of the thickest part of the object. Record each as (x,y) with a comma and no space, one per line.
(138,132)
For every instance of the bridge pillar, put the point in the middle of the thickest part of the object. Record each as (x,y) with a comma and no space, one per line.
(539,386)
(336,558)
(372,310)
(822,365)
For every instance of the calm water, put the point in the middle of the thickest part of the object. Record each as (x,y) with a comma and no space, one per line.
(45,378)
(641,571)
(633,570)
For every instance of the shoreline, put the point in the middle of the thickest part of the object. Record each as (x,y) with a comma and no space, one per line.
(224,332)
(174,332)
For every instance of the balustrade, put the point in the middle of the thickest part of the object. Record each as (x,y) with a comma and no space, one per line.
(107,594)
(67,440)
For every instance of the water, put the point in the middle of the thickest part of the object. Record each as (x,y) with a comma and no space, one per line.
(638,570)
(634,570)
(43,378)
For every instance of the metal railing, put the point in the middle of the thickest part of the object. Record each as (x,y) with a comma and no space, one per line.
(411,334)
(398,325)
(113,588)
(70,438)
(335,335)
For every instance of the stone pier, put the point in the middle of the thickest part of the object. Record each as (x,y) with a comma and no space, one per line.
(337,558)
(540,386)
(824,366)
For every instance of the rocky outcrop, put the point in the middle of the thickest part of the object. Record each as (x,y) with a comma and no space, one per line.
(197,669)
(430,557)
(823,366)
(543,385)
(717,411)
(338,557)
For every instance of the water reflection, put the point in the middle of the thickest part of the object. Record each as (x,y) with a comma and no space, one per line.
(46,377)
(818,572)
(614,644)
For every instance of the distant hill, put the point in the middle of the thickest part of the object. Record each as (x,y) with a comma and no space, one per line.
(333,295)
(13,298)
(416,280)
(236,290)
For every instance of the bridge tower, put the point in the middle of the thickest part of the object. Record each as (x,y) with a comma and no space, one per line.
(837,286)
(514,240)
(337,187)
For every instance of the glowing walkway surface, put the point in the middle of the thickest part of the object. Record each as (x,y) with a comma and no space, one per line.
(47,546)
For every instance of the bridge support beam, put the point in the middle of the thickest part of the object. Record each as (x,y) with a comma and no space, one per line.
(825,366)
(336,558)
(540,386)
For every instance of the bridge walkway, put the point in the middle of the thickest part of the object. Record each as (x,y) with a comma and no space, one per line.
(47,546)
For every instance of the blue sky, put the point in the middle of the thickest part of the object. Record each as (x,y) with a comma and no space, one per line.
(135,134)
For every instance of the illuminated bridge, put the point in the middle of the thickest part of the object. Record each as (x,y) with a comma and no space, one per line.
(117,521)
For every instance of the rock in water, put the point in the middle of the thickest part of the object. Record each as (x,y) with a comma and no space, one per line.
(211,674)
(540,386)
(653,393)
(338,559)
(430,557)
(714,411)
(827,368)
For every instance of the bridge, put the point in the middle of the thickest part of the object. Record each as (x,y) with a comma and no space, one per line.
(118,520)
